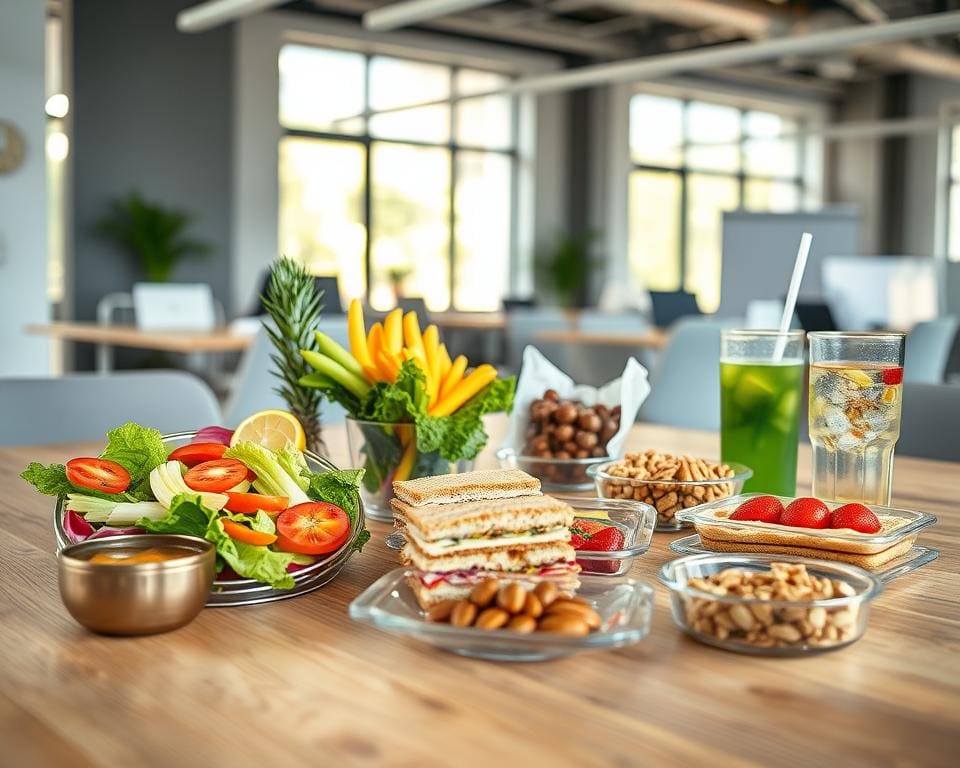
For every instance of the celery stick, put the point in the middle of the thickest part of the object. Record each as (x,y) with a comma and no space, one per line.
(337,372)
(338,354)
(129,513)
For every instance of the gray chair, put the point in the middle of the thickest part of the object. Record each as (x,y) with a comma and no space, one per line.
(84,406)
(522,328)
(595,321)
(597,363)
(254,385)
(685,387)
(928,348)
(930,428)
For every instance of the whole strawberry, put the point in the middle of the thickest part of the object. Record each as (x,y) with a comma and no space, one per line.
(806,512)
(766,509)
(607,539)
(855,516)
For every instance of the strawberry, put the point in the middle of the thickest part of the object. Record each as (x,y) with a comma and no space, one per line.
(892,376)
(806,512)
(577,541)
(855,516)
(607,539)
(766,509)
(587,528)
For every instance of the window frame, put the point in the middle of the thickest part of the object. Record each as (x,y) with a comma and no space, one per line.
(367,140)
(684,170)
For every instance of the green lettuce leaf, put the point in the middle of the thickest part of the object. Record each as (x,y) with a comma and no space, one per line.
(404,400)
(273,479)
(52,480)
(461,434)
(187,517)
(294,464)
(138,450)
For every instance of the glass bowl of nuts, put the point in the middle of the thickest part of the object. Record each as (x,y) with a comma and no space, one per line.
(667,482)
(605,613)
(764,604)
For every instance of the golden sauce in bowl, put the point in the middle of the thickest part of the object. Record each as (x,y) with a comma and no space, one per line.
(139,556)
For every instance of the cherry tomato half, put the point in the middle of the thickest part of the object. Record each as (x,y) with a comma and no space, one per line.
(240,532)
(98,474)
(251,503)
(312,528)
(197,453)
(215,476)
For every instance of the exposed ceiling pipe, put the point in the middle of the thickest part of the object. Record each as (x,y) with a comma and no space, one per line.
(914,58)
(406,12)
(213,13)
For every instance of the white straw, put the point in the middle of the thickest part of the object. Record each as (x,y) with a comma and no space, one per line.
(790,304)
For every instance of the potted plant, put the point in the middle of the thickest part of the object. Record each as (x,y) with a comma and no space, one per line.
(154,235)
(566,264)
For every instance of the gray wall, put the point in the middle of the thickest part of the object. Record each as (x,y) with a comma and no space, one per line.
(152,112)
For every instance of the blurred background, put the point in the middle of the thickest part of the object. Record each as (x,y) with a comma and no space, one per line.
(576,174)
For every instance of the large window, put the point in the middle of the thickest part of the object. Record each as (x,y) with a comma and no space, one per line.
(417,201)
(953,197)
(692,160)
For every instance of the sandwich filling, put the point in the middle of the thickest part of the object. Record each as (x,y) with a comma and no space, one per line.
(497,538)
(563,574)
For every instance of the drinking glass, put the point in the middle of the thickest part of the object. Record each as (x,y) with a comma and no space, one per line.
(761,380)
(856,388)
(389,452)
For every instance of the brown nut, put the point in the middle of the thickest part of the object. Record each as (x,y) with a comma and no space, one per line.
(582,453)
(564,433)
(590,421)
(522,623)
(552,395)
(598,452)
(571,447)
(463,613)
(586,440)
(587,615)
(564,623)
(608,430)
(561,455)
(512,597)
(441,611)
(484,592)
(492,618)
(540,443)
(532,605)
(566,413)
(546,592)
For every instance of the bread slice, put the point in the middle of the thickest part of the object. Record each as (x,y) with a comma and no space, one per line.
(466,486)
(870,562)
(482,518)
(514,558)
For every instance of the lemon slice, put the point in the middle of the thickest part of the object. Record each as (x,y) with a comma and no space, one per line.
(272,429)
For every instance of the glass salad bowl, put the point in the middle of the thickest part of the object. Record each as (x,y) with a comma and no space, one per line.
(624,605)
(233,590)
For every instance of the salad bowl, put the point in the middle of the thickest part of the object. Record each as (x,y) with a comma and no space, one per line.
(233,590)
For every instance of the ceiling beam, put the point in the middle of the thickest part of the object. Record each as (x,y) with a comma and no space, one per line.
(407,12)
(213,13)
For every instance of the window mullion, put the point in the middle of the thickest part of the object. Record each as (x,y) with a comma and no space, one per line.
(367,182)
(451,203)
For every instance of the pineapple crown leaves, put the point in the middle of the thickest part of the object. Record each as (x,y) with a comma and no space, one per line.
(294,306)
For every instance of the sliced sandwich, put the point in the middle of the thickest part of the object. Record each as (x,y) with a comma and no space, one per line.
(455,546)
(466,486)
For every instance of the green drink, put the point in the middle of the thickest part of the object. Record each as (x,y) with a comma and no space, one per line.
(760,406)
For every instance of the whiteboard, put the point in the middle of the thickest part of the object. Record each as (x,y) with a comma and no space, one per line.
(759,250)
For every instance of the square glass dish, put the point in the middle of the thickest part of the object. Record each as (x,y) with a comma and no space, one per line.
(634,519)
(900,528)
(916,557)
(624,605)
(554,474)
(670,497)
(742,622)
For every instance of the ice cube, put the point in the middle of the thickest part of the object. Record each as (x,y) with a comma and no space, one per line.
(869,436)
(836,420)
(876,420)
(872,393)
(849,441)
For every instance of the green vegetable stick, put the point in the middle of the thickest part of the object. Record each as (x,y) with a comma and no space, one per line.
(338,354)
(337,372)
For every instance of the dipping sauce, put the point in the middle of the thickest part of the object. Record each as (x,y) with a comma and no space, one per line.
(139,556)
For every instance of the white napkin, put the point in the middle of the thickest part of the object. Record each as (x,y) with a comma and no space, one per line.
(538,374)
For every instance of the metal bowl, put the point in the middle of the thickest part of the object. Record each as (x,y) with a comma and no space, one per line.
(136,598)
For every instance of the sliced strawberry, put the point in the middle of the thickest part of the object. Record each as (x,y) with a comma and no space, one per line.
(577,541)
(892,376)
(806,512)
(608,539)
(587,528)
(766,509)
(855,516)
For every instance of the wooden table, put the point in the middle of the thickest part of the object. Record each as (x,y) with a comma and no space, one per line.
(470,321)
(297,683)
(649,338)
(217,340)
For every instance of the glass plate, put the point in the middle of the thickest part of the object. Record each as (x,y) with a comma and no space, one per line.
(635,520)
(913,521)
(239,591)
(917,557)
(624,606)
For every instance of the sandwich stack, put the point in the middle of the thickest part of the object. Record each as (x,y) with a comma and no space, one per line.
(462,529)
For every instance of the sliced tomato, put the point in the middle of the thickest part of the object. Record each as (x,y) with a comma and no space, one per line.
(240,532)
(312,528)
(215,476)
(197,453)
(251,503)
(98,474)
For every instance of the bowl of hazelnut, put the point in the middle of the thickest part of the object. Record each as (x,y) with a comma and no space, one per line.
(563,439)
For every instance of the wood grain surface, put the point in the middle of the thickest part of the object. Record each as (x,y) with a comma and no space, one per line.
(217,340)
(297,683)
(649,338)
